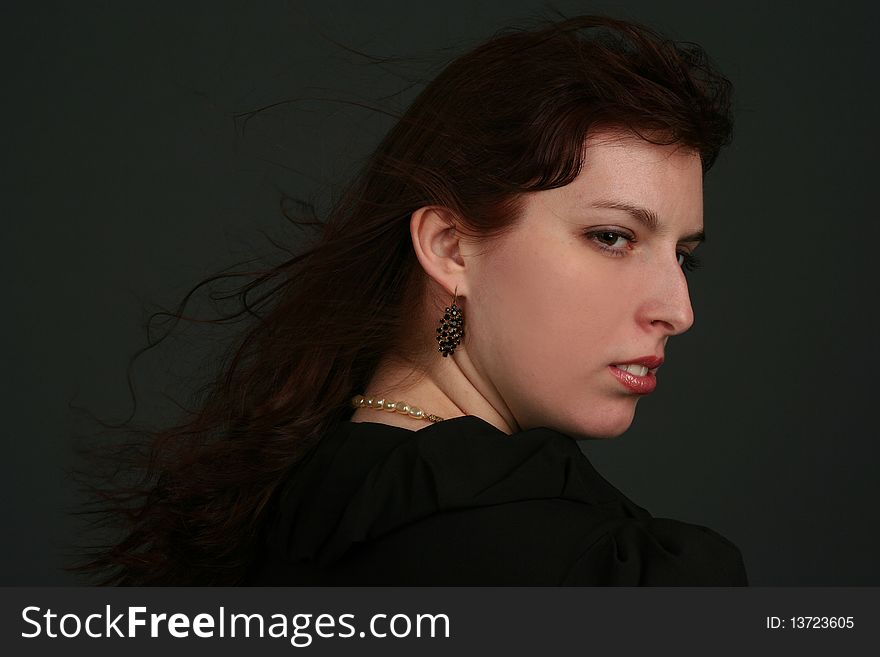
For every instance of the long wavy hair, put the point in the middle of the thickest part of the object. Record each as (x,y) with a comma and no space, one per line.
(187,502)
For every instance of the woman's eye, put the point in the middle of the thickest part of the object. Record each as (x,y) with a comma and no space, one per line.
(688,261)
(610,240)
(614,243)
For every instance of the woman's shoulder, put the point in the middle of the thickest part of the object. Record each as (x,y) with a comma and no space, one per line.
(657,552)
(551,541)
(365,480)
(532,542)
(460,502)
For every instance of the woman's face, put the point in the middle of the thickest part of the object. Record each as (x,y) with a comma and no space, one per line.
(579,286)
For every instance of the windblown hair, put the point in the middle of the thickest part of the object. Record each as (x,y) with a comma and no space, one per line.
(509,117)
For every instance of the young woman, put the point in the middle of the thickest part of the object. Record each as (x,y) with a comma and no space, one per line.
(499,282)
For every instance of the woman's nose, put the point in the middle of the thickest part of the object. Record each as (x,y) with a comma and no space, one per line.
(668,305)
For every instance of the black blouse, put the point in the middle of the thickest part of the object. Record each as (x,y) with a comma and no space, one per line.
(461,503)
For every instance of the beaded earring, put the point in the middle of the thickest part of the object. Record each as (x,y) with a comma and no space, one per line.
(451,329)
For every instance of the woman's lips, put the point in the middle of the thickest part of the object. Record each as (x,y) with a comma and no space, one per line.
(640,385)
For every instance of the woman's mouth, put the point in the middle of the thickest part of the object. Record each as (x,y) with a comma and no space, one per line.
(636,378)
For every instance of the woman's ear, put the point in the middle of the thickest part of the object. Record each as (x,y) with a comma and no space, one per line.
(436,241)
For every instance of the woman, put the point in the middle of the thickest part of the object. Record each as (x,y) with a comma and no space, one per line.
(499,282)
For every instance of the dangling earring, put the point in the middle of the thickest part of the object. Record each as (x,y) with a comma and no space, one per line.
(451,328)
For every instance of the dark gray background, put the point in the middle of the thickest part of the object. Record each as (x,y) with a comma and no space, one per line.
(125,183)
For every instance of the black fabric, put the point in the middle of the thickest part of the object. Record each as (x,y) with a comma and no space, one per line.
(461,503)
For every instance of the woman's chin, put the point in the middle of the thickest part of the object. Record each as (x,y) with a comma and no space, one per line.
(600,434)
(611,425)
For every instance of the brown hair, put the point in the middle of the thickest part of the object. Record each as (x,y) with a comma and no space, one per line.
(506,118)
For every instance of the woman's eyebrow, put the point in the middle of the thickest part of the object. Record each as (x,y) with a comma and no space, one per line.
(647,217)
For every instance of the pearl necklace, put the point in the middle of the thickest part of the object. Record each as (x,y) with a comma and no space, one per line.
(380,403)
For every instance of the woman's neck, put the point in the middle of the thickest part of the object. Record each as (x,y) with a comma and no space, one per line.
(445,390)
